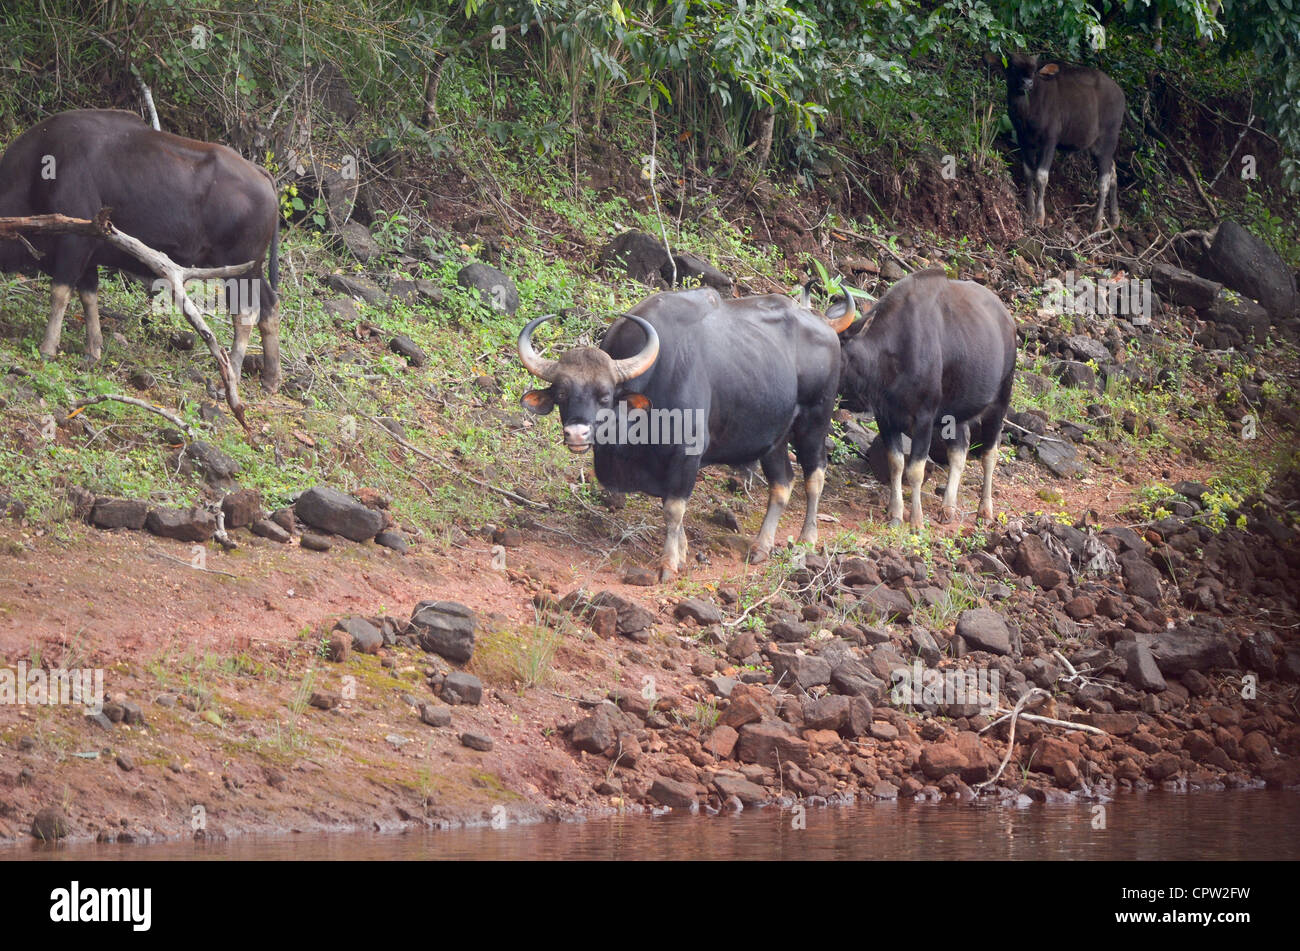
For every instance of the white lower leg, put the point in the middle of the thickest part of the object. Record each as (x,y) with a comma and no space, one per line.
(1104,184)
(778,496)
(674,536)
(94,336)
(895,486)
(915,476)
(244,321)
(60,294)
(956,466)
(989,461)
(813,485)
(1041,180)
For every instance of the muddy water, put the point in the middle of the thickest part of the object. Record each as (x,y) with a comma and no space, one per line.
(1220,825)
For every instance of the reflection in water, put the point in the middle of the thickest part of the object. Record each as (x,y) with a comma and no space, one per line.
(1224,825)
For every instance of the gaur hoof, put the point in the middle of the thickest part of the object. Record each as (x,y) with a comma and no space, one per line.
(271,386)
(984,515)
(48,355)
(758,555)
(667,574)
(894,521)
(947,515)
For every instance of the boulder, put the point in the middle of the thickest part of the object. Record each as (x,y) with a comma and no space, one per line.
(119,513)
(445,628)
(638,255)
(339,513)
(984,629)
(495,288)
(1249,266)
(193,524)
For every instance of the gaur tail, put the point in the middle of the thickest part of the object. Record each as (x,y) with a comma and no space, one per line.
(273,266)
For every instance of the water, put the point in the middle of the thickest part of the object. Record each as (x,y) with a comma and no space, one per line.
(1260,824)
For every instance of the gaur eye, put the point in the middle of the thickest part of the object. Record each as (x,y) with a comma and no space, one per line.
(605,398)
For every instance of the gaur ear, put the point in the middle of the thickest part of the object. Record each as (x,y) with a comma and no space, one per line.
(540,402)
(1051,69)
(637,401)
(854,329)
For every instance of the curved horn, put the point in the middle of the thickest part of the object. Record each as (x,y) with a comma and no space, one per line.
(538,366)
(845,320)
(805,296)
(631,367)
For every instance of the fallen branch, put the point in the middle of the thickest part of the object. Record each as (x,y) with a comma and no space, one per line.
(1011,739)
(186,564)
(175,276)
(172,418)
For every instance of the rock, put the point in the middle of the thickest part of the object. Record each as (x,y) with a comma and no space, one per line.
(854,679)
(634,621)
(701,612)
(722,742)
(729,784)
(313,542)
(391,539)
(884,603)
(673,793)
(789,632)
(408,348)
(119,513)
(1141,578)
(358,288)
(597,733)
(359,242)
(339,647)
(339,513)
(216,467)
(1074,373)
(477,741)
(984,629)
(1085,349)
(343,310)
(690,267)
(640,256)
(241,508)
(266,528)
(640,576)
(1248,265)
(1183,288)
(125,763)
(324,699)
(771,743)
(366,638)
(495,288)
(184,525)
(1247,318)
(445,628)
(742,710)
(460,687)
(50,824)
(1184,649)
(1143,671)
(940,759)
(1060,458)
(435,715)
(830,712)
(800,669)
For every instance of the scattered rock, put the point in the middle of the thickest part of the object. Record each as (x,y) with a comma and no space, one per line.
(496,289)
(445,628)
(338,513)
(984,629)
(477,741)
(460,687)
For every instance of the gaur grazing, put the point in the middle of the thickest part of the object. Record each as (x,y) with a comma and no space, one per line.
(933,357)
(200,204)
(748,376)
(1071,108)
